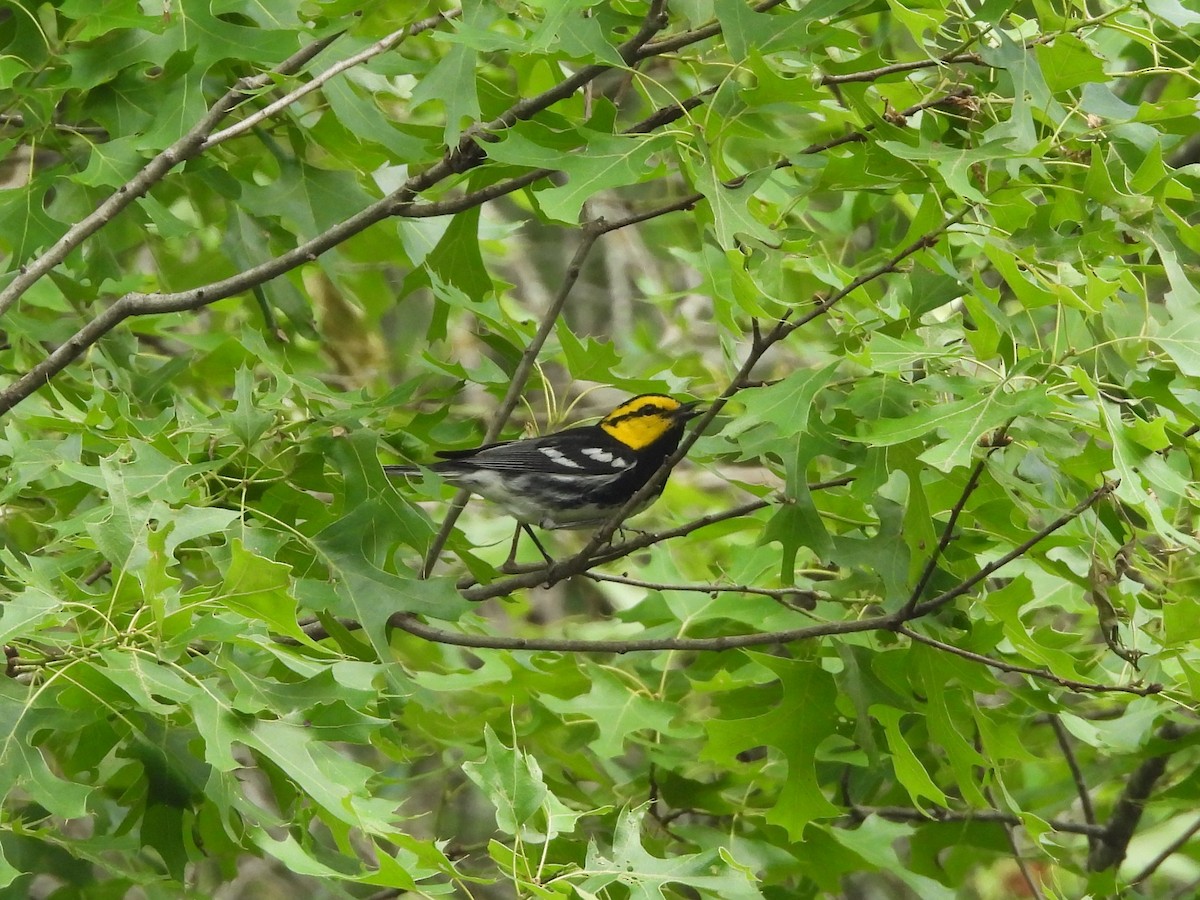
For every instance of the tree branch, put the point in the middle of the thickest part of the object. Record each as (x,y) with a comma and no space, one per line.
(1083,687)
(406,622)
(1172,848)
(938,814)
(319,81)
(154,171)
(648,539)
(1081,787)
(703,33)
(947,536)
(895,621)
(1112,843)
(896,68)
(793,597)
(942,599)
(1031,883)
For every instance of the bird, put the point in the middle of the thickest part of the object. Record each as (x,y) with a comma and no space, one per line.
(572,479)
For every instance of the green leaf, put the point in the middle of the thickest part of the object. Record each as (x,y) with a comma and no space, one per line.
(452,81)
(645,876)
(23,612)
(784,407)
(731,206)
(247,421)
(1173,12)
(456,258)
(1180,336)
(259,589)
(908,767)
(587,359)
(876,840)
(802,719)
(1067,63)
(617,711)
(357,548)
(605,162)
(962,421)
(22,767)
(514,784)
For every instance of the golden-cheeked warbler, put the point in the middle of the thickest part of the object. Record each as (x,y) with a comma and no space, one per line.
(575,478)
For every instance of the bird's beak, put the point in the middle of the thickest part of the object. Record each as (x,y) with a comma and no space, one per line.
(690,410)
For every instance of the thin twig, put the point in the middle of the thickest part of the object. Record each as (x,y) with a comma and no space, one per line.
(896,68)
(1171,849)
(319,81)
(1083,687)
(947,536)
(614,552)
(1010,833)
(703,33)
(1081,787)
(783,594)
(406,622)
(942,599)
(938,814)
(16,120)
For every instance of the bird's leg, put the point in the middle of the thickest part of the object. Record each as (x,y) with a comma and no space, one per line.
(511,566)
(545,555)
(533,537)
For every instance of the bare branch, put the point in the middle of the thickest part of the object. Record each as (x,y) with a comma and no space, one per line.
(1035,890)
(614,552)
(955,512)
(406,622)
(947,536)
(16,120)
(896,68)
(703,33)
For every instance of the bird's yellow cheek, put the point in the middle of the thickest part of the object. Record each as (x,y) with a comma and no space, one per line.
(639,432)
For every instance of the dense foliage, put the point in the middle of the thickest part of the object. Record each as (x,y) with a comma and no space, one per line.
(916,617)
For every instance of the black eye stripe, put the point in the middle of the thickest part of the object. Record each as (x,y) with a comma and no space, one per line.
(639,413)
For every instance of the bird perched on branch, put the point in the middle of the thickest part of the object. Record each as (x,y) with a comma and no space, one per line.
(575,478)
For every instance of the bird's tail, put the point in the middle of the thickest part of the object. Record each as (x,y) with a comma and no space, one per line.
(395,471)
